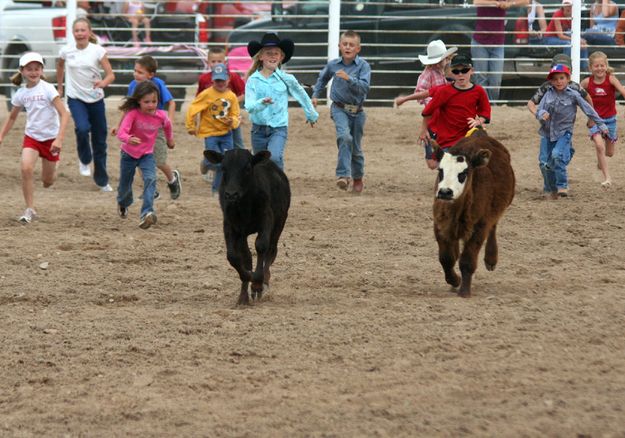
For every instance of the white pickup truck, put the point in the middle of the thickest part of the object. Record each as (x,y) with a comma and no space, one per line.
(35,25)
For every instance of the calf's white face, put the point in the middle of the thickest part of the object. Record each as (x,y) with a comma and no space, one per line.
(452,176)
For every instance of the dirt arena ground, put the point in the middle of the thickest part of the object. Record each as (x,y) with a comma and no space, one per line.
(129,332)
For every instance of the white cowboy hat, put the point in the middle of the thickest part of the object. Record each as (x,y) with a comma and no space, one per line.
(436,52)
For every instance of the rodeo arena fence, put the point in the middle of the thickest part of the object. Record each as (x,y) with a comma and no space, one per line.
(393,33)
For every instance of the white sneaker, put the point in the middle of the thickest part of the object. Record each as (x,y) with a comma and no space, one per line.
(107,188)
(84,169)
(28,216)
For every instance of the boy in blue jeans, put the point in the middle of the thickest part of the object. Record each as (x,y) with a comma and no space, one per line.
(556,113)
(352,77)
(145,70)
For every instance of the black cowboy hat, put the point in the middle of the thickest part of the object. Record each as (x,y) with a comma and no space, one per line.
(272,40)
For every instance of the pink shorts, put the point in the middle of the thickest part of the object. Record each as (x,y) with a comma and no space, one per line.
(43,147)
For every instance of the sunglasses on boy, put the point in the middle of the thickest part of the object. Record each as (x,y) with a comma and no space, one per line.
(463,70)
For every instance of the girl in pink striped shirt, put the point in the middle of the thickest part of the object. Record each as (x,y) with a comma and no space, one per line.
(137,132)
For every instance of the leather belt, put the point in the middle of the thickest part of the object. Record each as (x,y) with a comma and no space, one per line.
(353,109)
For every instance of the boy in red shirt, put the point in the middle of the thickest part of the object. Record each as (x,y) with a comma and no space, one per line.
(455,108)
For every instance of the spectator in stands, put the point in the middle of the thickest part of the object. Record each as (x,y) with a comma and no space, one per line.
(487,44)
(603,19)
(619,35)
(536,22)
(134,12)
(559,32)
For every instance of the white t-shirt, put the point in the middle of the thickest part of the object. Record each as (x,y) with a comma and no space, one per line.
(83,67)
(42,119)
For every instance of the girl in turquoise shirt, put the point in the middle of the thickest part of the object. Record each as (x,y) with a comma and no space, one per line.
(267,95)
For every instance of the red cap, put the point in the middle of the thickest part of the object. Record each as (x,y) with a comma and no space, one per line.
(559,68)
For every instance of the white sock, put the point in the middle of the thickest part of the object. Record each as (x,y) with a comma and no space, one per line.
(173,180)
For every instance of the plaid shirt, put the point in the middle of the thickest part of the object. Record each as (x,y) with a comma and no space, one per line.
(429,79)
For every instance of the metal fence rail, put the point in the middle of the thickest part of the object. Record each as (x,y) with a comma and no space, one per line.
(393,33)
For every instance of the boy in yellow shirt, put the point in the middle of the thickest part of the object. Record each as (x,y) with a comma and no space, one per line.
(212,115)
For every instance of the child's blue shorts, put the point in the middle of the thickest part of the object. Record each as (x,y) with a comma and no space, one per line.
(611,124)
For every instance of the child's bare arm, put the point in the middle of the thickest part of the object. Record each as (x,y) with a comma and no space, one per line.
(8,124)
(171,110)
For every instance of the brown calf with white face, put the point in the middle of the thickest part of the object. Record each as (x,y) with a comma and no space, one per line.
(475,185)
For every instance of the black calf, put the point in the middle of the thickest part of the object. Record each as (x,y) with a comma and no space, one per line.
(255,197)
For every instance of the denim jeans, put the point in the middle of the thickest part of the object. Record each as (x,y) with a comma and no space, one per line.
(583,51)
(553,158)
(488,65)
(127,166)
(237,138)
(266,138)
(597,38)
(349,129)
(221,144)
(90,119)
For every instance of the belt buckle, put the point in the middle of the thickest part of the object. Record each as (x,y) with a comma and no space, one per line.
(351,108)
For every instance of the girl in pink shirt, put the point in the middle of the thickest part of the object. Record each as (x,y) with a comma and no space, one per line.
(137,132)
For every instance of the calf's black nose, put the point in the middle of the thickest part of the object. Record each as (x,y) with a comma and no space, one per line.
(231,196)
(445,194)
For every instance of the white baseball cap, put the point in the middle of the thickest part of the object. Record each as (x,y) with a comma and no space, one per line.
(567,2)
(29,57)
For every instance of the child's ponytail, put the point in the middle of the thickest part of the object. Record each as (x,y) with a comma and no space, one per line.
(17,79)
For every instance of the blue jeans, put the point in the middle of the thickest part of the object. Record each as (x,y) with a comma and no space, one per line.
(266,138)
(598,38)
(553,158)
(583,51)
(127,166)
(237,138)
(90,118)
(488,65)
(349,130)
(221,144)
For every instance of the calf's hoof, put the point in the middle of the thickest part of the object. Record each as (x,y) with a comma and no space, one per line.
(490,266)
(452,279)
(244,299)
(464,293)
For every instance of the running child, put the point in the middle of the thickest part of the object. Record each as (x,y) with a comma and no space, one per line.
(434,75)
(556,114)
(267,94)
(44,131)
(145,70)
(213,115)
(138,131)
(455,108)
(85,98)
(351,78)
(602,86)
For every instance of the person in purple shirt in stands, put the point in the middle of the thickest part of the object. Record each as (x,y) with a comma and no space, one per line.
(487,48)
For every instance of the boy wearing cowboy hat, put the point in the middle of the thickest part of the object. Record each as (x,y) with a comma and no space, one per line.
(556,114)
(351,78)
(267,94)
(435,61)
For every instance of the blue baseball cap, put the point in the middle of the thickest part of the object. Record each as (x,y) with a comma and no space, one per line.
(220,73)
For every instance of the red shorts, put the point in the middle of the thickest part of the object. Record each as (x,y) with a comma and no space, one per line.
(43,147)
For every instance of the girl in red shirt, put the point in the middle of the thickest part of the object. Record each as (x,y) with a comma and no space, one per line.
(602,87)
